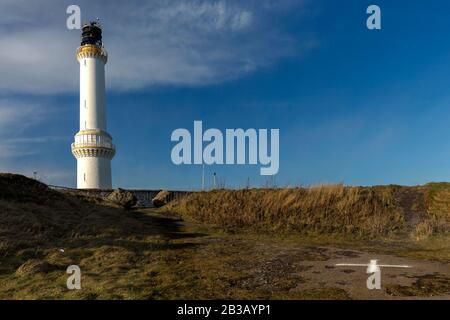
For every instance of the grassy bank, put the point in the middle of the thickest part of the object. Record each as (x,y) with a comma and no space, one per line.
(327,209)
(33,216)
(361,212)
(437,208)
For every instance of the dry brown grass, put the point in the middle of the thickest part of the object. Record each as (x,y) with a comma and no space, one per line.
(34,216)
(146,255)
(437,206)
(325,209)
(117,250)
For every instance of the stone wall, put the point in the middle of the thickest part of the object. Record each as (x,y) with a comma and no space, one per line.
(144,197)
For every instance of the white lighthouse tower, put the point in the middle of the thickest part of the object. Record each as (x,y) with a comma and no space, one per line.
(93,146)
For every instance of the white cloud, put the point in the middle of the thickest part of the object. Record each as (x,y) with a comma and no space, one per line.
(179,42)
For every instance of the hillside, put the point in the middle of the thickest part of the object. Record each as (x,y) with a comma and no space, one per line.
(246,244)
(361,212)
(34,216)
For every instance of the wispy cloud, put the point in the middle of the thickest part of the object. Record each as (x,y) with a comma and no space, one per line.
(179,42)
(20,142)
(46,173)
(16,117)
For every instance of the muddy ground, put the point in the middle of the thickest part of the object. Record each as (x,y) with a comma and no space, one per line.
(246,265)
(174,259)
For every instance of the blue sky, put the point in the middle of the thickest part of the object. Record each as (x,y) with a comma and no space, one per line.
(354,106)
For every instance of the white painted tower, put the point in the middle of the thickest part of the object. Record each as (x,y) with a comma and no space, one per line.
(93,146)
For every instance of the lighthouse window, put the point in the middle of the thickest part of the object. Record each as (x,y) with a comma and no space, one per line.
(85,62)
(85,103)
(84,177)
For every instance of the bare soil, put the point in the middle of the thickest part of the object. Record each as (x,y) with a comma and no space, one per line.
(262,267)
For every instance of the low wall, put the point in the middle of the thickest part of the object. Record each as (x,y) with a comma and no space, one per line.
(144,197)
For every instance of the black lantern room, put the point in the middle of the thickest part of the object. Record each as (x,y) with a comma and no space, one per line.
(91,34)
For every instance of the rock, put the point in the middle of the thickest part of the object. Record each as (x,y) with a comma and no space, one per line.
(162,198)
(34,266)
(123,198)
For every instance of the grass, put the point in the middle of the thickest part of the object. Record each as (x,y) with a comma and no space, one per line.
(37,222)
(362,212)
(437,202)
(223,255)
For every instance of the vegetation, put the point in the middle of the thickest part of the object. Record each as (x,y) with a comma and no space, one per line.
(360,212)
(325,209)
(146,254)
(437,207)
(33,216)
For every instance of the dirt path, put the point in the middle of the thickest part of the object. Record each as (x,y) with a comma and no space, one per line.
(248,266)
(411,200)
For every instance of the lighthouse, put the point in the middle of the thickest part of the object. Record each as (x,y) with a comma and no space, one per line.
(93,146)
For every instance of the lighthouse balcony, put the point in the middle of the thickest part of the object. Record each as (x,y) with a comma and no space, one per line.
(93,136)
(93,143)
(106,145)
(93,149)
